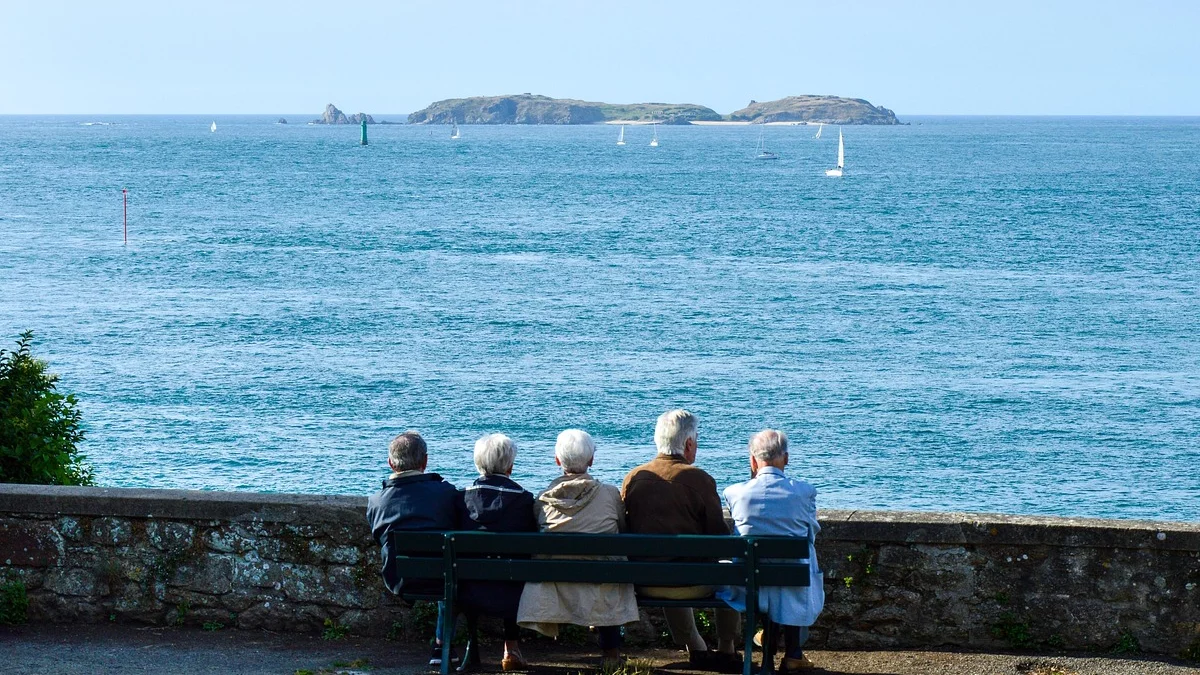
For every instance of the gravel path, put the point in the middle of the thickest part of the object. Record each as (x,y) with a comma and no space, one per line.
(104,649)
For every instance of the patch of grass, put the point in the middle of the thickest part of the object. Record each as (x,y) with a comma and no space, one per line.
(1128,644)
(212,626)
(181,612)
(1056,641)
(334,630)
(14,603)
(358,664)
(848,581)
(1014,631)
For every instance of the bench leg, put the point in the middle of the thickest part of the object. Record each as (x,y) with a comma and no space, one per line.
(447,619)
(769,646)
(471,658)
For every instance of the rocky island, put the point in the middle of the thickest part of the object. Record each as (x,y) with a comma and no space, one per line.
(534,109)
(814,109)
(334,116)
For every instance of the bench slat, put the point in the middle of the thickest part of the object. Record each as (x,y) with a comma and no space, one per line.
(632,545)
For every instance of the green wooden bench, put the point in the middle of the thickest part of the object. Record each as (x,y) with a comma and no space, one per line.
(454,557)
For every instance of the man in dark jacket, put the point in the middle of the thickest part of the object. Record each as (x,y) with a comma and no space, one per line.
(411,500)
(496,503)
(668,495)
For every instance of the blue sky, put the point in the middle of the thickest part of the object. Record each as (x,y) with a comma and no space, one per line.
(965,57)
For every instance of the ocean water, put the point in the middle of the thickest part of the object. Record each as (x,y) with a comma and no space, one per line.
(985,314)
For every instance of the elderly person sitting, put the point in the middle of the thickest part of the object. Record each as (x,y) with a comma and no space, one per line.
(669,495)
(495,503)
(411,500)
(575,502)
(771,504)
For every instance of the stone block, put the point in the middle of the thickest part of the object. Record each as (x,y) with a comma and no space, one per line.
(29,543)
(111,531)
(166,535)
(73,581)
(209,573)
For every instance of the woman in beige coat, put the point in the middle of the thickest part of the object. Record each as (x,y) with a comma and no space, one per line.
(576,502)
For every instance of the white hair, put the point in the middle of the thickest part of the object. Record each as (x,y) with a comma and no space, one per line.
(673,430)
(768,445)
(495,453)
(574,450)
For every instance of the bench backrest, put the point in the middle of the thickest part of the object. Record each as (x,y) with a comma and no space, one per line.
(469,556)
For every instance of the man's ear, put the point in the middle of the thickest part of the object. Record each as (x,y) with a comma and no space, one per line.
(557,460)
(754,465)
(785,459)
(424,463)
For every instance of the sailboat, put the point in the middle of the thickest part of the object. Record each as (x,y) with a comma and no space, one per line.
(837,171)
(213,128)
(763,153)
(454,132)
(621,138)
(820,126)
(654,141)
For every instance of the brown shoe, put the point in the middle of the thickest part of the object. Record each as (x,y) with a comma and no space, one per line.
(513,661)
(799,665)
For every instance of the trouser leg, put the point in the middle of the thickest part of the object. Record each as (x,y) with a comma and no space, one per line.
(794,638)
(609,637)
(729,629)
(511,630)
(682,624)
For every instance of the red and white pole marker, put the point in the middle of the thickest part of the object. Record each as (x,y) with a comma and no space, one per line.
(125,197)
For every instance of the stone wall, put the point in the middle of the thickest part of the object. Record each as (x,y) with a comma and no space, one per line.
(307,563)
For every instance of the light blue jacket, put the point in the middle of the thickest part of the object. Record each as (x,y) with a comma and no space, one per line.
(771,504)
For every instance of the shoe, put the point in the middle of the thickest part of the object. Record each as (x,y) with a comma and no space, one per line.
(758,639)
(435,657)
(513,661)
(799,665)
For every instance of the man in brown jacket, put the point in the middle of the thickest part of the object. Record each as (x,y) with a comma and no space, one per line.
(668,495)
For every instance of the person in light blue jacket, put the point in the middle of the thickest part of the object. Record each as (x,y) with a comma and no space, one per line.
(772,504)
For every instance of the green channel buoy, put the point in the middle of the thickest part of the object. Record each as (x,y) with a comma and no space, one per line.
(364,132)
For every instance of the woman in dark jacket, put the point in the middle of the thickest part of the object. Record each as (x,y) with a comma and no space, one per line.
(496,504)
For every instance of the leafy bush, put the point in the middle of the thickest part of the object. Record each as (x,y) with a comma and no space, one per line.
(39,427)
(13,603)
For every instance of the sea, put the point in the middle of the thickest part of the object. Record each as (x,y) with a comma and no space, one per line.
(985,314)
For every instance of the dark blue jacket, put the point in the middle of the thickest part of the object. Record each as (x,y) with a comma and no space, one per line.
(418,502)
(495,504)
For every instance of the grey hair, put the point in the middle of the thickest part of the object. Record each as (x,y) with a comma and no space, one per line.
(574,450)
(495,453)
(673,430)
(768,445)
(407,451)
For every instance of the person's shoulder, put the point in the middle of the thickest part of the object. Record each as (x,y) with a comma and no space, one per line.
(696,475)
(642,472)
(801,486)
(736,489)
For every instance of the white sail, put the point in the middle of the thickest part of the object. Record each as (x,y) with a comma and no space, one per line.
(820,126)
(213,128)
(836,172)
(654,141)
(621,137)
(763,153)
(454,133)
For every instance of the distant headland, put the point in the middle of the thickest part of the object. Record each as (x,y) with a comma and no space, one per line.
(535,109)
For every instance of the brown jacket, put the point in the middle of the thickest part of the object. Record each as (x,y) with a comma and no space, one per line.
(669,496)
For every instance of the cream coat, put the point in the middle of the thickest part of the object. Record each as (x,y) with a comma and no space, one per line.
(578,503)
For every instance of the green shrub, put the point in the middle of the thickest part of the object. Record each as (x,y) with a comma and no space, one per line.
(13,603)
(39,427)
